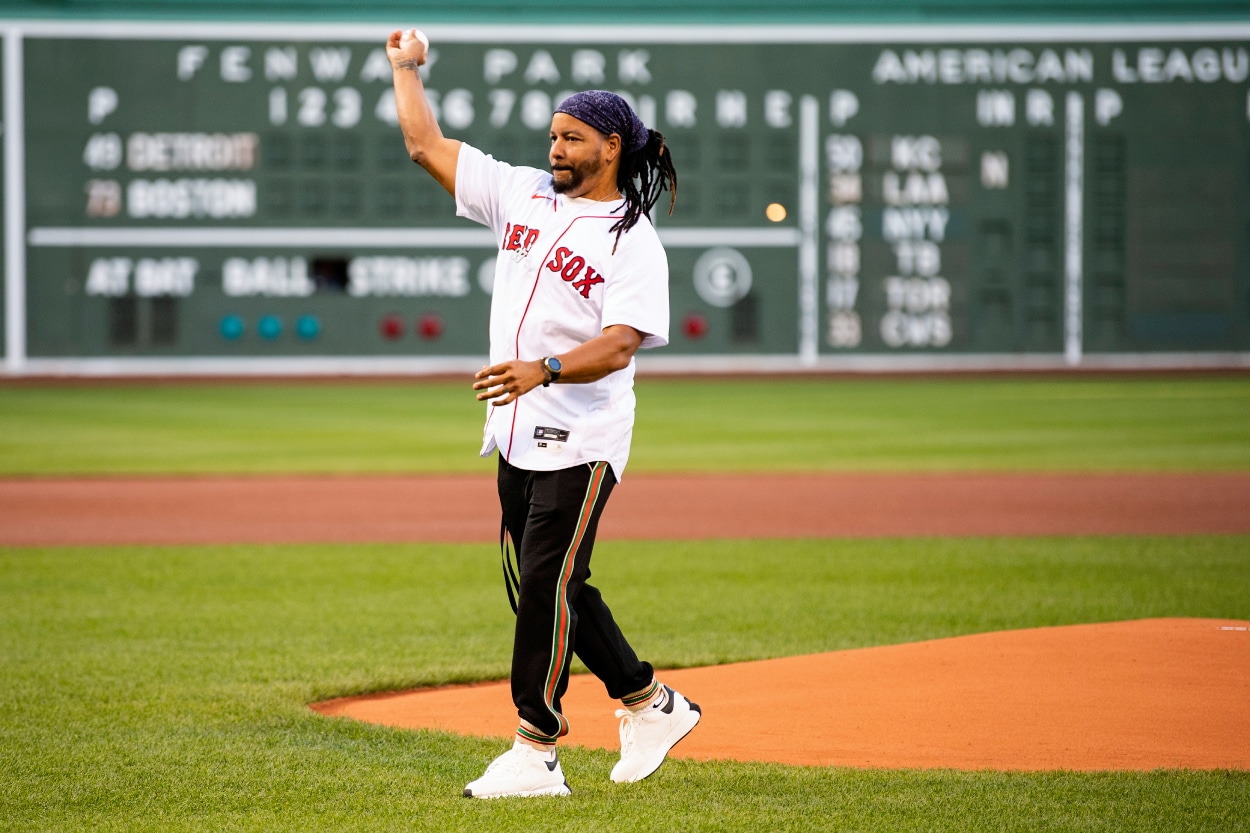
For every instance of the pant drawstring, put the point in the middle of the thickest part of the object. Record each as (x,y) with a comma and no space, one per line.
(510,581)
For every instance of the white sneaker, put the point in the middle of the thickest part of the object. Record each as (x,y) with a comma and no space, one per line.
(521,771)
(648,734)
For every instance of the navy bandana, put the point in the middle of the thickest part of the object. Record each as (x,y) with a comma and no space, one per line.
(608,113)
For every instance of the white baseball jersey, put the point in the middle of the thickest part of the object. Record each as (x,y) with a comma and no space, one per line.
(557,285)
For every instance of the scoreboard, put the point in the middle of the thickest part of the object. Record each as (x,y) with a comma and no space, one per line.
(923,196)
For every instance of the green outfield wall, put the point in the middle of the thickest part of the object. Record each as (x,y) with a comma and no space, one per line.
(217,195)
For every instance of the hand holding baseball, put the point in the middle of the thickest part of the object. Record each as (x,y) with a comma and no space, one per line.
(408,45)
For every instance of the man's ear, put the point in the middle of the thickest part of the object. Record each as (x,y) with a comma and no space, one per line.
(613,146)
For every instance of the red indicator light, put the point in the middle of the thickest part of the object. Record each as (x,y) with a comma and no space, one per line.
(429,327)
(694,325)
(392,327)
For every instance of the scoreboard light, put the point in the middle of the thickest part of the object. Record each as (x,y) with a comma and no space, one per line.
(694,326)
(269,327)
(391,327)
(430,327)
(231,327)
(776,212)
(308,327)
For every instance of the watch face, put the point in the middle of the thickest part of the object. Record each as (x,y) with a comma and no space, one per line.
(553,364)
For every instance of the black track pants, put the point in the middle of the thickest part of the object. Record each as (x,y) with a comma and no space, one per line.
(552,517)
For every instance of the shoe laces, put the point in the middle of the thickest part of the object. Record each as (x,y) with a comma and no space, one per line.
(511,762)
(629,720)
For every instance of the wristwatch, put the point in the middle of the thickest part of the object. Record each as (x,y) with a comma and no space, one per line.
(552,368)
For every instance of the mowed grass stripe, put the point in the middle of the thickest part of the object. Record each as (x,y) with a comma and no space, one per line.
(165,688)
(1195,423)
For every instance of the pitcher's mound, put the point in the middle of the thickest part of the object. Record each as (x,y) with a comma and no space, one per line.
(1128,695)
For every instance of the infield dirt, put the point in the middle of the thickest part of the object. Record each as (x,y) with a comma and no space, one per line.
(1158,693)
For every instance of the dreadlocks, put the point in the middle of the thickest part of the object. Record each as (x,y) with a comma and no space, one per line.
(640,179)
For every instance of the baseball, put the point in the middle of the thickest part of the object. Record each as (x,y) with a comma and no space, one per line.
(409,34)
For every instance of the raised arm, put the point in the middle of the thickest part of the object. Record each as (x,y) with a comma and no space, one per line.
(425,141)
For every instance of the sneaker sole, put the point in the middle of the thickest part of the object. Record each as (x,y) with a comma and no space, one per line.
(562,789)
(677,736)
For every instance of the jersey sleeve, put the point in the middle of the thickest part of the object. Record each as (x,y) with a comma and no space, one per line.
(637,294)
(482,185)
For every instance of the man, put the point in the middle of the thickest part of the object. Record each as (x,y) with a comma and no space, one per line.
(581,283)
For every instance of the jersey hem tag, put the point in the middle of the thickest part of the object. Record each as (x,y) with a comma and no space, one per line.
(554,434)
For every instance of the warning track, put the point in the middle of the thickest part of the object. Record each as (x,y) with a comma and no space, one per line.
(268,509)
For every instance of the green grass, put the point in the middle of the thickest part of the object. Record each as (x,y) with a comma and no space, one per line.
(165,688)
(1175,423)
(243,427)
(946,424)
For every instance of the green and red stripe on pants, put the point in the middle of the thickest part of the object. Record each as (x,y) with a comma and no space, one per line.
(552,517)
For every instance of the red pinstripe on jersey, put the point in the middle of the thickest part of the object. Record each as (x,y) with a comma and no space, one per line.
(516,348)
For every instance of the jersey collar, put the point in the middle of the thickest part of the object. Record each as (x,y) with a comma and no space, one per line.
(611,206)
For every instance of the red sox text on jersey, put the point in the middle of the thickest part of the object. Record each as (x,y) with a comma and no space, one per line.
(519,239)
(571,267)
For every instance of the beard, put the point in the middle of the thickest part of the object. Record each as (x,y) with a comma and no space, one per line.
(577,175)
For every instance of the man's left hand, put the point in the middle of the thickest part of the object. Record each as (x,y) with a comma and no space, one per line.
(505,383)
